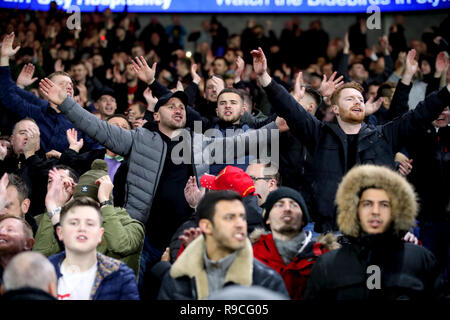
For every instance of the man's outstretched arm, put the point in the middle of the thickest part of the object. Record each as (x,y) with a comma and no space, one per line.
(114,138)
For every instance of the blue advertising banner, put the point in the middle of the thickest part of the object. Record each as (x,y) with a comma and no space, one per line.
(233,6)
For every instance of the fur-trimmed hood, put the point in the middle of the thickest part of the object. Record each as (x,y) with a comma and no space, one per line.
(404,205)
(190,263)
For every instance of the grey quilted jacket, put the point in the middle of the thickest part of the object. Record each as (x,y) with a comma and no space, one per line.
(147,151)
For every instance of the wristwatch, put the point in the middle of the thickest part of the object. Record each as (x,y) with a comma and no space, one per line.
(104,203)
(53,212)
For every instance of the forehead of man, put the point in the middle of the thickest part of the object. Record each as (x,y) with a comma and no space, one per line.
(12,194)
(210,83)
(174,101)
(120,122)
(229,96)
(225,207)
(374,193)
(60,78)
(350,92)
(15,224)
(255,169)
(82,213)
(79,67)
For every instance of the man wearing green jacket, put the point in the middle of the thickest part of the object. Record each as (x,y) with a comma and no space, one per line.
(124,236)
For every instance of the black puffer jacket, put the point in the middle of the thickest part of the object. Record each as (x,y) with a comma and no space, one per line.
(407,271)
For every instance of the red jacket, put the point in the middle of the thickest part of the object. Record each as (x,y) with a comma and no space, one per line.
(296,273)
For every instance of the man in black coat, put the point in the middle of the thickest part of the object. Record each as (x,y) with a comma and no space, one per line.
(222,256)
(430,176)
(336,147)
(376,208)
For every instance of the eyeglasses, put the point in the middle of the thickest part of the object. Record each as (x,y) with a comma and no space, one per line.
(260,178)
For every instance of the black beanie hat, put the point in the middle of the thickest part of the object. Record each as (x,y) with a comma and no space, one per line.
(285,192)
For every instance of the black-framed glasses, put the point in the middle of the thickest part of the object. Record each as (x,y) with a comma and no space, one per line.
(260,178)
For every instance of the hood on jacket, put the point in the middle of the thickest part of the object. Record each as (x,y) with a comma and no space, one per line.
(401,194)
(190,263)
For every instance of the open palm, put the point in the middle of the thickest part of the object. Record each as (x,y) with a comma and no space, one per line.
(7,46)
(143,71)
(52,92)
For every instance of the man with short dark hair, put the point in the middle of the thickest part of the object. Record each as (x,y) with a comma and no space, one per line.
(14,199)
(221,256)
(83,273)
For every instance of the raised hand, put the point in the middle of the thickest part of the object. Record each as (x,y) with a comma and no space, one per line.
(7,46)
(53,154)
(179,86)
(281,124)
(143,71)
(25,77)
(327,87)
(441,62)
(59,65)
(240,66)
(33,142)
(299,87)
(151,100)
(139,123)
(405,167)
(195,77)
(52,92)
(3,149)
(105,187)
(259,62)
(4,181)
(218,84)
(72,139)
(412,65)
(189,235)
(192,193)
(58,191)
(373,106)
(346,44)
(411,238)
(166,255)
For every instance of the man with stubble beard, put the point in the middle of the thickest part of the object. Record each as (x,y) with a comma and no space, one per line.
(336,147)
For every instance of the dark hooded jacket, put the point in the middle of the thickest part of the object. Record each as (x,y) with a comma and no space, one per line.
(375,266)
(328,145)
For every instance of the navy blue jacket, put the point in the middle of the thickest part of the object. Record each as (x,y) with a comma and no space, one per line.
(327,144)
(114,279)
(52,125)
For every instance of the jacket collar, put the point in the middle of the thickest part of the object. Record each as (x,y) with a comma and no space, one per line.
(191,264)
(105,267)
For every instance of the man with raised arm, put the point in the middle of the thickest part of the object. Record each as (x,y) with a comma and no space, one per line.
(156,179)
(337,147)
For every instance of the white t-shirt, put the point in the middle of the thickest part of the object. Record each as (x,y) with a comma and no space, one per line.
(76,286)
